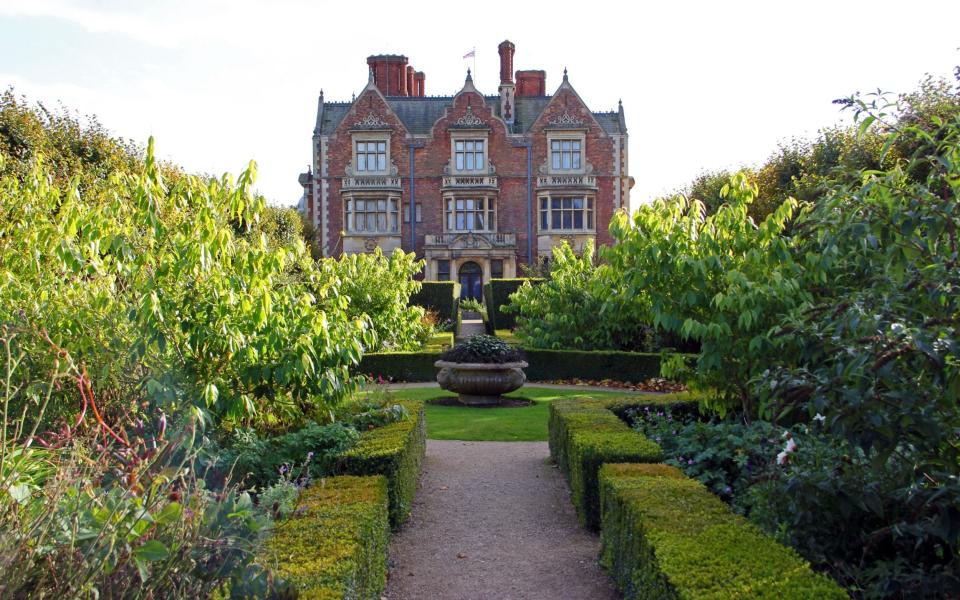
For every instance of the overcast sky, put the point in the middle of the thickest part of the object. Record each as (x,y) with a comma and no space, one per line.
(704,85)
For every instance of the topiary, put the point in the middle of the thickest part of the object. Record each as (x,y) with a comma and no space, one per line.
(483,349)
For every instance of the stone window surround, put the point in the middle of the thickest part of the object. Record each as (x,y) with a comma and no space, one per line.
(369,136)
(373,195)
(573,135)
(462,135)
(491,198)
(550,194)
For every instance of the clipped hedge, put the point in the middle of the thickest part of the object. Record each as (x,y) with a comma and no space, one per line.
(545,365)
(591,364)
(396,451)
(585,434)
(441,296)
(496,294)
(665,536)
(400,366)
(335,545)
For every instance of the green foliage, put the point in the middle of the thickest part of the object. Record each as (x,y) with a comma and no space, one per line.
(562,312)
(396,451)
(718,279)
(379,288)
(95,512)
(258,462)
(665,536)
(441,296)
(483,349)
(80,153)
(876,349)
(145,283)
(726,456)
(496,296)
(335,546)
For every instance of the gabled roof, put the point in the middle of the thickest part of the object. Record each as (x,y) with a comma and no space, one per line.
(418,114)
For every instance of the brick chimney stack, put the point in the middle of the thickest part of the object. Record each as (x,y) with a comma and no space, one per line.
(420,80)
(531,83)
(506,49)
(507,89)
(390,74)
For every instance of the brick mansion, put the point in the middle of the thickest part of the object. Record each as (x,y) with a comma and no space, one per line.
(475,184)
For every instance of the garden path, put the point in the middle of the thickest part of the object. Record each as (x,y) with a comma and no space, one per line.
(493,520)
(470,328)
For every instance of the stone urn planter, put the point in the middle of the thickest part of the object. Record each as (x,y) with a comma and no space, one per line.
(481,384)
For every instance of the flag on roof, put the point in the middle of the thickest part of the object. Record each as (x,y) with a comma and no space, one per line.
(471,54)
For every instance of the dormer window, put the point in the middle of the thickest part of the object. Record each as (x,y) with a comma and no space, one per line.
(371,156)
(566,154)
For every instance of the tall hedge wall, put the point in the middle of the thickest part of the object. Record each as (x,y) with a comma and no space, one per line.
(496,294)
(441,296)
(665,536)
(395,450)
(335,545)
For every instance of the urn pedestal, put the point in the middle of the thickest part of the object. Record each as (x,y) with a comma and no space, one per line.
(480,384)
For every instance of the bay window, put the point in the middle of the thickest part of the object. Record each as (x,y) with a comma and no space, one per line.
(372,215)
(559,213)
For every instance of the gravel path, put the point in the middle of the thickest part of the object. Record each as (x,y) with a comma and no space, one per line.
(493,521)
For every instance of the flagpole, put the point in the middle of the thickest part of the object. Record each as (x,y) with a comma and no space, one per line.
(474,63)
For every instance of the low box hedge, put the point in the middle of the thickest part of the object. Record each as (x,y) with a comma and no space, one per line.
(335,545)
(545,365)
(584,435)
(441,296)
(591,364)
(396,451)
(496,295)
(400,366)
(665,536)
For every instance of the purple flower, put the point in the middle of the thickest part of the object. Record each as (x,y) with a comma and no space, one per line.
(690,462)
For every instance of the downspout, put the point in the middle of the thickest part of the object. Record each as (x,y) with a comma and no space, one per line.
(413,202)
(529,146)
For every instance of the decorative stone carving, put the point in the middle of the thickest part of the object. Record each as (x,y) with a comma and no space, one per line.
(370,244)
(470,119)
(566,120)
(371,121)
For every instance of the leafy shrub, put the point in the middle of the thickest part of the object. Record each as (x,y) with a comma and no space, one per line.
(335,545)
(665,536)
(379,288)
(574,309)
(145,282)
(258,461)
(496,296)
(718,279)
(726,456)
(483,349)
(97,508)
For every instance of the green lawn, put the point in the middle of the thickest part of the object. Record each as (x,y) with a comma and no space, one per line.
(521,424)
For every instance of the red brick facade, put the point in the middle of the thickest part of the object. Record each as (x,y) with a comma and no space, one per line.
(483,170)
